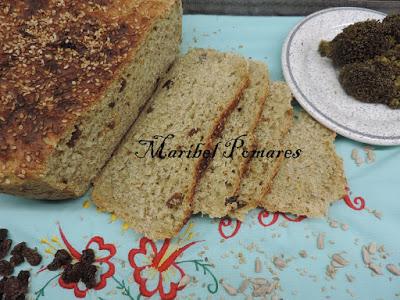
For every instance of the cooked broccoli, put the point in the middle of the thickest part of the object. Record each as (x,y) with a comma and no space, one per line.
(376,80)
(392,26)
(358,42)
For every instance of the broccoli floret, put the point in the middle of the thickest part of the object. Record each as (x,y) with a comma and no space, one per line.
(376,80)
(392,26)
(358,42)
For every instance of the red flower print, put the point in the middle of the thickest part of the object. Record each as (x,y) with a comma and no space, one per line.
(104,253)
(157,271)
(227,222)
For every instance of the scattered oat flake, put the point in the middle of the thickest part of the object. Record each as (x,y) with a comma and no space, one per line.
(333,224)
(375,268)
(262,290)
(350,278)
(350,293)
(321,241)
(345,227)
(279,263)
(372,248)
(355,155)
(229,289)
(249,297)
(339,259)
(184,281)
(244,286)
(258,281)
(258,265)
(377,214)
(365,256)
(393,269)
(330,271)
(242,259)
(370,154)
(303,253)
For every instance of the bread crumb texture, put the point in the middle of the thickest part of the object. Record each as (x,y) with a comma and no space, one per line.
(276,119)
(309,184)
(155,195)
(216,193)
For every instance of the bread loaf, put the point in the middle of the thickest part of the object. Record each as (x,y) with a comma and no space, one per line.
(74,76)
(308,184)
(154,194)
(275,122)
(217,190)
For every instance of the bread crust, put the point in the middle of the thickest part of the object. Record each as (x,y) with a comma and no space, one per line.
(57,61)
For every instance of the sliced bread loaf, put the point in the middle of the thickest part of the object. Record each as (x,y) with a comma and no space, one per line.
(275,122)
(70,90)
(216,192)
(308,184)
(154,195)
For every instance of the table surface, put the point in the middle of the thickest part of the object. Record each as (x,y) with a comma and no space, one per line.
(370,214)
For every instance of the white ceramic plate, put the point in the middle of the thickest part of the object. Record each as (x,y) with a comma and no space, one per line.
(314,80)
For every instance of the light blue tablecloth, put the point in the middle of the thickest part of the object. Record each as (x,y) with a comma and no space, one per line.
(377,183)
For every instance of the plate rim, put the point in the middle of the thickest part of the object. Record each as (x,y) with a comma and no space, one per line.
(307,104)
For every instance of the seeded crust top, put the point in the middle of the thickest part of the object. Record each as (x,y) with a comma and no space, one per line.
(57,57)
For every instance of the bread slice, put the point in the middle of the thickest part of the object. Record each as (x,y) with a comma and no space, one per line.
(308,184)
(155,195)
(275,122)
(216,192)
(70,91)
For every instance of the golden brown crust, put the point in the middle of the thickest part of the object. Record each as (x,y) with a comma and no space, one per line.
(57,58)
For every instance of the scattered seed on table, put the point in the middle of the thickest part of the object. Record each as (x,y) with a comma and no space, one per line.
(244,286)
(370,154)
(321,241)
(339,259)
(375,268)
(279,263)
(345,227)
(258,265)
(377,214)
(372,248)
(365,256)
(229,289)
(336,265)
(356,157)
(258,281)
(303,253)
(261,291)
(393,269)
(350,278)
(333,224)
(184,281)
(330,271)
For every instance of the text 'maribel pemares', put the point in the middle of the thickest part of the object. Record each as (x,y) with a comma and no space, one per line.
(163,147)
